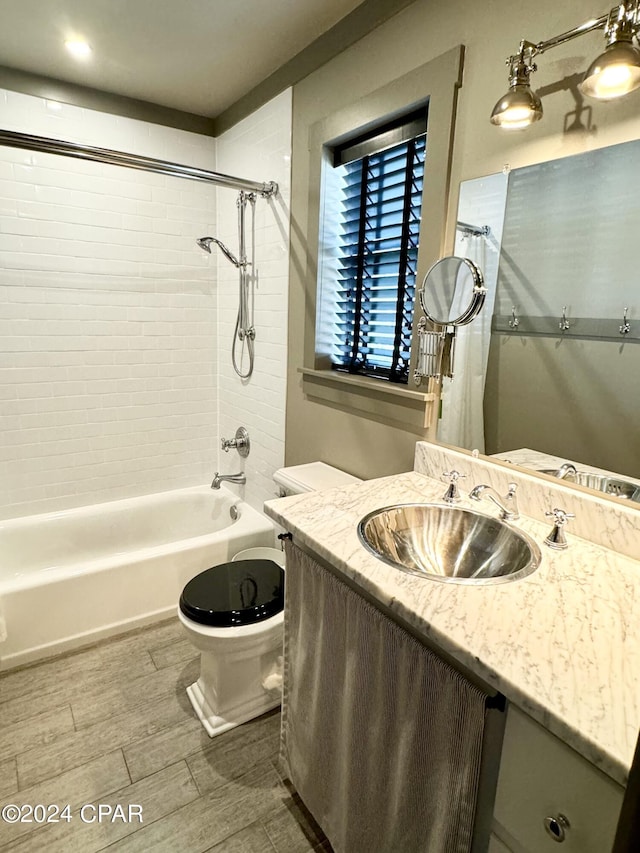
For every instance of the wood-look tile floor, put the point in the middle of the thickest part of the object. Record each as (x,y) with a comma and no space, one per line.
(111,725)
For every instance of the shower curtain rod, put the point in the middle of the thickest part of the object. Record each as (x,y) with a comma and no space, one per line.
(132,161)
(473,230)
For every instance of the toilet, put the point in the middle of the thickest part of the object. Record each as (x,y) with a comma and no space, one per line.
(233,614)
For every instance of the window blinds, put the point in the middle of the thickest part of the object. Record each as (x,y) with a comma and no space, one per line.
(377,258)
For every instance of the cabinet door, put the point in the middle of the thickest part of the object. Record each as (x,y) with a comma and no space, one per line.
(542,778)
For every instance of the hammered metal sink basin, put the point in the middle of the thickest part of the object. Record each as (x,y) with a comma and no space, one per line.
(448,543)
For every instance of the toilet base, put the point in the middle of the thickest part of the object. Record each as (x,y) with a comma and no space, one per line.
(215,724)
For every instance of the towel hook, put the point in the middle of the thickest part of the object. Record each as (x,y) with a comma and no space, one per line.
(625,328)
(514,322)
(563,325)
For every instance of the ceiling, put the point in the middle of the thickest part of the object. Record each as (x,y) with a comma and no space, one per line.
(199,56)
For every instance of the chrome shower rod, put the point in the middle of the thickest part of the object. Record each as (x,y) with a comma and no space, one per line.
(132,161)
(473,230)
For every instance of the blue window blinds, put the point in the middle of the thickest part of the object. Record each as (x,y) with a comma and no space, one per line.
(377,257)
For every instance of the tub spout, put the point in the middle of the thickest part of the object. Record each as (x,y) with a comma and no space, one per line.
(238,478)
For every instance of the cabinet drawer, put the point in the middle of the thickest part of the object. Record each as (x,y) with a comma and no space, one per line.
(542,777)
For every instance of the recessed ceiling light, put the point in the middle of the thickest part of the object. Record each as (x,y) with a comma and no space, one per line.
(78,48)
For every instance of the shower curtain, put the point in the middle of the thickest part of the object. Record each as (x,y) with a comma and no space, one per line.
(462,421)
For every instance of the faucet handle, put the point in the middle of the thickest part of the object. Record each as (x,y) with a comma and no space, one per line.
(557,539)
(452,495)
(241,443)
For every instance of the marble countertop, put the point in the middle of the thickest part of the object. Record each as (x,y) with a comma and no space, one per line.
(562,644)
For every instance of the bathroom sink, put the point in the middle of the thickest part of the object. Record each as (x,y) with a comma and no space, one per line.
(448,543)
(600,482)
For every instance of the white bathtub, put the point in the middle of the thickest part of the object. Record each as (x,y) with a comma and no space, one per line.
(73,577)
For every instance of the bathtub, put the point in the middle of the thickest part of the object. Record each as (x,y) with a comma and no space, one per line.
(73,577)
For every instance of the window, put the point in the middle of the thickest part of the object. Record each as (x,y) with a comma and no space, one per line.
(379,203)
(315,272)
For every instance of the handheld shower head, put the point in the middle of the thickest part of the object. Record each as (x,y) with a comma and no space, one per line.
(205,243)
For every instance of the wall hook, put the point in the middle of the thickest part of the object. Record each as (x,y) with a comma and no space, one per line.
(563,325)
(625,328)
(514,322)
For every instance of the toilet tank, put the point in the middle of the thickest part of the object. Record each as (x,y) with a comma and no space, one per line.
(311,477)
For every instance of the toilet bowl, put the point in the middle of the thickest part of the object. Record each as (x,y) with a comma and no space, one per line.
(234,615)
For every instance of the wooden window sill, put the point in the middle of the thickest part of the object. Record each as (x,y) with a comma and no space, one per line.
(371,398)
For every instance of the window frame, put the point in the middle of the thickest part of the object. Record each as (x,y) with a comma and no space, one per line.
(435,83)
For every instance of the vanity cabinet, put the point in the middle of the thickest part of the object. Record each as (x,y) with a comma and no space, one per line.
(542,779)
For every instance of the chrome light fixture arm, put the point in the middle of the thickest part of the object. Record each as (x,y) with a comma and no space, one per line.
(587,27)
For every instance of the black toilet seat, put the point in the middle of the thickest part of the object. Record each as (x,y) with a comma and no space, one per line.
(238,593)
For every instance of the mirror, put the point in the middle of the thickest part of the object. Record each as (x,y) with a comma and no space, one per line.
(452,292)
(560,364)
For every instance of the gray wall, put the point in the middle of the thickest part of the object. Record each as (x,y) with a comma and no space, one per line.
(586,412)
(569,239)
(422,32)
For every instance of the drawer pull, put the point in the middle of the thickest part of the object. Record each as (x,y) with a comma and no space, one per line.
(556,827)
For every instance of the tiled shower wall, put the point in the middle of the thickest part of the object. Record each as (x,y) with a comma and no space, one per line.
(115,335)
(259,148)
(108,384)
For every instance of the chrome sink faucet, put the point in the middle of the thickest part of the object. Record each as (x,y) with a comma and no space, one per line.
(239,478)
(507,503)
(567,469)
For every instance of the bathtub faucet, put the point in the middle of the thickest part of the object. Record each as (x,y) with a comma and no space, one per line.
(238,478)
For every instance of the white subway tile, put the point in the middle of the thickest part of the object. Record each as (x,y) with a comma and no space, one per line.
(122,316)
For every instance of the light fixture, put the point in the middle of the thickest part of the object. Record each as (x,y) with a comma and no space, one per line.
(614,73)
(520,107)
(78,48)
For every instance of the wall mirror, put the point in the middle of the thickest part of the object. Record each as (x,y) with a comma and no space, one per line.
(452,292)
(559,373)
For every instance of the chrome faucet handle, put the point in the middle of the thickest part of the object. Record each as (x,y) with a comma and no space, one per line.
(557,539)
(452,495)
(511,502)
(241,443)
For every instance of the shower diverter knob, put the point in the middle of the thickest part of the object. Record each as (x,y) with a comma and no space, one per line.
(241,443)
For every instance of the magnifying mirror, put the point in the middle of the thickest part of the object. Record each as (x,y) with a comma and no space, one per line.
(452,292)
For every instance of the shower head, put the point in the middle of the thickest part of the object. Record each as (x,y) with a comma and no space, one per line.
(205,243)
